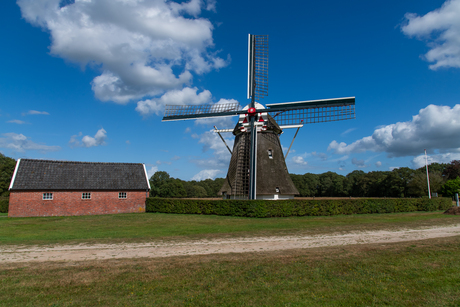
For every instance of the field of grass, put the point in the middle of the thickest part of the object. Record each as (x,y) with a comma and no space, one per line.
(144,227)
(422,273)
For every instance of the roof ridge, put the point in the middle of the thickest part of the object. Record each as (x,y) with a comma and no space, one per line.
(83,162)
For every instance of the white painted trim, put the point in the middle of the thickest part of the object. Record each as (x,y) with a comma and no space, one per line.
(146,176)
(291,126)
(14,174)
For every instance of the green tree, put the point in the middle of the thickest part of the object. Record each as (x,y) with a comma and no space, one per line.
(452,171)
(331,184)
(451,187)
(172,189)
(158,180)
(351,187)
(7,166)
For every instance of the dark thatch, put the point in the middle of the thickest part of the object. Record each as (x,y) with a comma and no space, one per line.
(272,174)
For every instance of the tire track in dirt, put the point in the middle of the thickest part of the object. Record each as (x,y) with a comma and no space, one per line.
(81,252)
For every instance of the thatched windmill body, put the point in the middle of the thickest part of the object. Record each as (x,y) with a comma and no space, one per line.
(257,167)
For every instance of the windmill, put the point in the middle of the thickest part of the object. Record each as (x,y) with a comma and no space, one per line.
(267,123)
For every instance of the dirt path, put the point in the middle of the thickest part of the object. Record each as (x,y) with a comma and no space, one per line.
(217,246)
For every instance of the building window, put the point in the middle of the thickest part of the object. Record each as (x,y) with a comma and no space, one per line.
(277,190)
(47,196)
(86,195)
(121,195)
(270,154)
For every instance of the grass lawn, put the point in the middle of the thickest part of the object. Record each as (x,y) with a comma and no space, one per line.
(421,273)
(141,227)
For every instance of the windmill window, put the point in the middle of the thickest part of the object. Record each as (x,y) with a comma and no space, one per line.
(270,154)
(86,195)
(47,196)
(122,195)
(277,190)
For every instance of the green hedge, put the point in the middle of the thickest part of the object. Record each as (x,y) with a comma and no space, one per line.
(4,204)
(295,207)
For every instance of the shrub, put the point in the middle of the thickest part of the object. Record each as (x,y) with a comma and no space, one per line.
(294,207)
(4,203)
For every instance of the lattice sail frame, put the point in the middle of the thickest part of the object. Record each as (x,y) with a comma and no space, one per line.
(257,66)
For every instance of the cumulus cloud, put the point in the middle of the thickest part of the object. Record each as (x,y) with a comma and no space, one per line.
(185,96)
(435,128)
(34,112)
(441,30)
(206,174)
(89,141)
(143,48)
(419,161)
(152,171)
(21,143)
(378,163)
(299,160)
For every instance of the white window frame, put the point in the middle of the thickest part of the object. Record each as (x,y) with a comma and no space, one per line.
(47,196)
(270,154)
(122,195)
(86,195)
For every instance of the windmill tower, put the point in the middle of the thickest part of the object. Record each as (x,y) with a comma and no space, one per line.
(257,168)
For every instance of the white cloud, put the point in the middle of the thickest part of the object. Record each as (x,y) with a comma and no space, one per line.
(434,128)
(206,174)
(220,156)
(17,121)
(419,161)
(34,112)
(378,163)
(441,30)
(299,160)
(21,143)
(152,171)
(143,48)
(186,96)
(89,141)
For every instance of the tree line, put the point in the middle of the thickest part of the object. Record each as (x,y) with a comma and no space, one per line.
(400,182)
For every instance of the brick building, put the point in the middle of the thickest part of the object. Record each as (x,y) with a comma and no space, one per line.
(57,188)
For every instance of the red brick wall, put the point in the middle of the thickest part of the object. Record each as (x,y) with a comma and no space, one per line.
(70,203)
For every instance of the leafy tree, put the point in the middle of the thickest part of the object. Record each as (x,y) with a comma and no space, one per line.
(172,189)
(157,180)
(7,166)
(452,171)
(331,184)
(451,187)
(351,187)
(418,186)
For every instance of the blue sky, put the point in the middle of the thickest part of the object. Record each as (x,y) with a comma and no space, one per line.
(88,80)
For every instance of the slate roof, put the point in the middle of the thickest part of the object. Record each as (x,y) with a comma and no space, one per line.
(67,175)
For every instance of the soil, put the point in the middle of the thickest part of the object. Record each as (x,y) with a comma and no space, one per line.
(155,249)
(453,211)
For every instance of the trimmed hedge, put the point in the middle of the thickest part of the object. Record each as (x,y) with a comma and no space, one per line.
(294,207)
(4,203)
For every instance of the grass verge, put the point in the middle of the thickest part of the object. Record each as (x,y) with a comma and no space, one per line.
(422,273)
(157,226)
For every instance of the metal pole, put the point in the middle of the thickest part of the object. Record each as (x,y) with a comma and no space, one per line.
(456,198)
(253,130)
(427,175)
